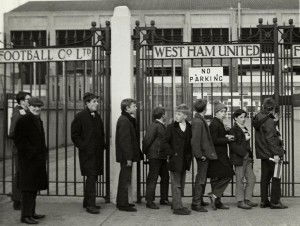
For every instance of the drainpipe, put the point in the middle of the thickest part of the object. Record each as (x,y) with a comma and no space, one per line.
(239,19)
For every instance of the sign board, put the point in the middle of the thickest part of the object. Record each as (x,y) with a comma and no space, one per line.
(296,50)
(205,74)
(46,54)
(206,51)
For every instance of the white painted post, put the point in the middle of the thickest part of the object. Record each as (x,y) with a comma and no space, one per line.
(121,81)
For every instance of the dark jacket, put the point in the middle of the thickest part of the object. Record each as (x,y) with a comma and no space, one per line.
(32,153)
(177,145)
(202,143)
(18,112)
(127,146)
(267,138)
(87,134)
(222,166)
(153,139)
(239,148)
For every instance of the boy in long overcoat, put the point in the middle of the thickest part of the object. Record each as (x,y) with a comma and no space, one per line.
(220,170)
(152,147)
(177,143)
(127,151)
(268,144)
(29,138)
(19,111)
(203,150)
(87,133)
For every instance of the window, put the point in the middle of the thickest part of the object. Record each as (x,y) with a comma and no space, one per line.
(27,39)
(210,35)
(168,36)
(74,37)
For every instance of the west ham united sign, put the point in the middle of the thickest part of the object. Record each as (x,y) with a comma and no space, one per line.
(206,51)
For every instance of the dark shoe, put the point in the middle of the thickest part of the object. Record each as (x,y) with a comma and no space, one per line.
(212,201)
(152,205)
(182,211)
(204,203)
(28,220)
(264,204)
(131,204)
(38,216)
(127,208)
(17,205)
(84,205)
(92,210)
(249,203)
(199,208)
(222,207)
(243,205)
(165,203)
(278,206)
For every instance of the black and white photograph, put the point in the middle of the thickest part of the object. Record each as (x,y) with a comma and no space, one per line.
(150,112)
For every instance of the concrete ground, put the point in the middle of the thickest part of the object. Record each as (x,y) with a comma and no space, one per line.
(68,211)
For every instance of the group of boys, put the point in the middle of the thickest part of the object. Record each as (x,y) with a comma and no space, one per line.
(168,148)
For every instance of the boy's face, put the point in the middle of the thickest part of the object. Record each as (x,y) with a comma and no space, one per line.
(221,114)
(131,109)
(180,117)
(92,105)
(241,119)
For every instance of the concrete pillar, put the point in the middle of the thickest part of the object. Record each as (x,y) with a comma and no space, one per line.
(121,80)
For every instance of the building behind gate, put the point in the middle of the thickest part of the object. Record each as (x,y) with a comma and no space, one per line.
(161,79)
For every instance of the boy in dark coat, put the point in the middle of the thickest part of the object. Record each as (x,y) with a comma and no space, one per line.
(87,133)
(29,138)
(241,157)
(268,144)
(177,143)
(127,151)
(220,170)
(152,147)
(19,111)
(203,150)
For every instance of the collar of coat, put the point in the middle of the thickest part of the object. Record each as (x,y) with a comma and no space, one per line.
(179,131)
(130,118)
(237,126)
(36,120)
(159,123)
(198,115)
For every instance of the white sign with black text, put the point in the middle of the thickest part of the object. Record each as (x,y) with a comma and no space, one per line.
(43,55)
(206,51)
(205,74)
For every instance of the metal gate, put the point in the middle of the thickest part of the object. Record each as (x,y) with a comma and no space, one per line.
(61,85)
(246,82)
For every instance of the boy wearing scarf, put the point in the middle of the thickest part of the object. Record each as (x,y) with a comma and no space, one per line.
(241,157)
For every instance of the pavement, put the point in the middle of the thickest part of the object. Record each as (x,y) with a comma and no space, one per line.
(68,211)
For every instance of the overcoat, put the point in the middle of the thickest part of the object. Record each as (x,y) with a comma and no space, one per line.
(267,138)
(127,146)
(222,166)
(29,138)
(152,142)
(87,133)
(202,143)
(177,145)
(240,147)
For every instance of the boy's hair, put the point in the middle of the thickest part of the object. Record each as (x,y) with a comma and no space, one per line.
(238,112)
(269,104)
(126,103)
(183,108)
(158,112)
(21,96)
(200,105)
